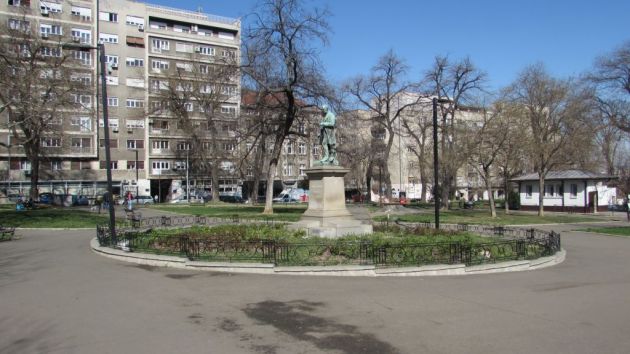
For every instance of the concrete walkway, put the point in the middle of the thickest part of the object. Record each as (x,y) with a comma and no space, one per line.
(56,296)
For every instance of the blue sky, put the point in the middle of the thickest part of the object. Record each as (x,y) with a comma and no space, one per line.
(501,37)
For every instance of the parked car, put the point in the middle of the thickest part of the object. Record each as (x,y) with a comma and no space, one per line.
(46,198)
(285,199)
(184,200)
(231,199)
(143,199)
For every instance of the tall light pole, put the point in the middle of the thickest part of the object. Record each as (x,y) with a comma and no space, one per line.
(137,184)
(436,161)
(100,48)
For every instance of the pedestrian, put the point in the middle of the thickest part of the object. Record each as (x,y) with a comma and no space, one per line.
(628,208)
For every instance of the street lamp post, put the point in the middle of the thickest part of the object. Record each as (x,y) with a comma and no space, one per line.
(137,184)
(436,193)
(100,48)
(112,215)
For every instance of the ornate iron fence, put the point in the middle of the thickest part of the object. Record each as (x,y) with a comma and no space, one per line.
(515,244)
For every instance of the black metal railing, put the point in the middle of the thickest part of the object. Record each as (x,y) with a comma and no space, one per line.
(514,244)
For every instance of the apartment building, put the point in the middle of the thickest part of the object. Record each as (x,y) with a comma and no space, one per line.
(58,30)
(146,46)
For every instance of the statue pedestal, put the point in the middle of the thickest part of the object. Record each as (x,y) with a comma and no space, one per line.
(327,215)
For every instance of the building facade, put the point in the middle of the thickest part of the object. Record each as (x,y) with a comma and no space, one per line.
(147,46)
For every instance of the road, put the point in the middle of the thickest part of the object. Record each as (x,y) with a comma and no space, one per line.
(56,296)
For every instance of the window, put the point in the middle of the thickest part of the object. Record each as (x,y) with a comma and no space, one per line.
(315,151)
(56,165)
(287,169)
(228,90)
(85,79)
(528,191)
(84,123)
(134,20)
(250,171)
(183,47)
(83,12)
(111,59)
(108,38)
(135,62)
(50,52)
(159,65)
(80,142)
(83,56)
(134,41)
(25,165)
(113,143)
(160,165)
(228,53)
(229,110)
(229,146)
(132,165)
(188,107)
(135,124)
(20,25)
(302,169)
(112,101)
(113,122)
(206,50)
(51,142)
(83,100)
(135,103)
(184,66)
(182,145)
(158,45)
(159,144)
(108,16)
(574,190)
(288,148)
(302,148)
(19,2)
(51,7)
(181,28)
(135,144)
(550,190)
(81,35)
(301,128)
(113,165)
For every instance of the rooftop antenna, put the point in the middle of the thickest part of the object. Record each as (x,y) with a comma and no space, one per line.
(200,9)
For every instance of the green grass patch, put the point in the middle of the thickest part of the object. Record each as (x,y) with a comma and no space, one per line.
(617,231)
(51,217)
(249,243)
(280,213)
(483,217)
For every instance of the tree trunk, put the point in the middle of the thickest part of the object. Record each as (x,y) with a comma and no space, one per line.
(34,191)
(506,184)
(271,174)
(541,194)
(486,179)
(215,181)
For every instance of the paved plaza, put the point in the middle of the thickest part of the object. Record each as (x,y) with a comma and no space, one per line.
(57,296)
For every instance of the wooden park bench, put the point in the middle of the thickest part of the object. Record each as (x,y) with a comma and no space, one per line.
(6,233)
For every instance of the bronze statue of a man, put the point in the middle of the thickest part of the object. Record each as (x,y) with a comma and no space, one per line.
(327,138)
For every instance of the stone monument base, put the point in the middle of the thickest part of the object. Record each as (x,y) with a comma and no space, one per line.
(327,215)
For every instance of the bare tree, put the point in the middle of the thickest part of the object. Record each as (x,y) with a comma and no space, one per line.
(280,60)
(386,94)
(457,84)
(41,84)
(418,126)
(612,79)
(555,110)
(487,139)
(194,94)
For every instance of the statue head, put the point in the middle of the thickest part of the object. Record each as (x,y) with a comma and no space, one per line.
(325,108)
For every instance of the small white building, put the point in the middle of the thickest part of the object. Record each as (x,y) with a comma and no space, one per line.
(568,190)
